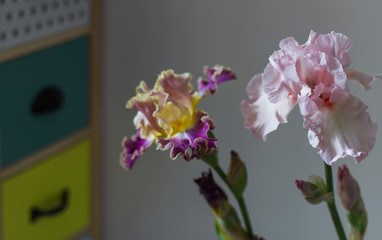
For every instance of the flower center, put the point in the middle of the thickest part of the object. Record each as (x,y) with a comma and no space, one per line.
(174,119)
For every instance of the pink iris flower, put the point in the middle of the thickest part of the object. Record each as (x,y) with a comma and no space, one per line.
(167,115)
(315,76)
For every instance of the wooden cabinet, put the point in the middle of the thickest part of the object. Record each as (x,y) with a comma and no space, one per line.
(44,97)
(49,119)
(51,200)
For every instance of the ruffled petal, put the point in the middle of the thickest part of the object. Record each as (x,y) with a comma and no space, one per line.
(309,104)
(189,143)
(311,39)
(363,79)
(292,46)
(280,77)
(133,149)
(289,45)
(325,83)
(176,88)
(216,75)
(346,132)
(143,95)
(319,67)
(146,105)
(262,116)
(334,44)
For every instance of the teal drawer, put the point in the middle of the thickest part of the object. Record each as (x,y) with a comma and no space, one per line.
(43,98)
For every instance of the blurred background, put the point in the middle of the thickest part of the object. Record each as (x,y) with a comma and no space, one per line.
(158,199)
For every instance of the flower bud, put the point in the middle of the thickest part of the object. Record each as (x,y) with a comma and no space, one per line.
(227,222)
(237,174)
(213,194)
(348,189)
(350,194)
(314,192)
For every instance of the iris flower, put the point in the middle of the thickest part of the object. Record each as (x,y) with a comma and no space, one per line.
(315,77)
(167,114)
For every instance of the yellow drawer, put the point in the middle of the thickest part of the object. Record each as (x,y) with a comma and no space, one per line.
(49,201)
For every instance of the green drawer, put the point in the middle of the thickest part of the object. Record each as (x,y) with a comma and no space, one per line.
(43,98)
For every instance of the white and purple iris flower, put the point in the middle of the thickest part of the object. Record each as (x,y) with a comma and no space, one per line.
(167,115)
(315,76)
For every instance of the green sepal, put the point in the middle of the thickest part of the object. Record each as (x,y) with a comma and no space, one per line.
(319,182)
(212,158)
(227,223)
(237,175)
(358,222)
(220,232)
(224,234)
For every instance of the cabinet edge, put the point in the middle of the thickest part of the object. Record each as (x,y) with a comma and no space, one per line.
(41,155)
(39,44)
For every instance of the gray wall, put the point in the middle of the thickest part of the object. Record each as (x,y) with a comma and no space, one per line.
(158,199)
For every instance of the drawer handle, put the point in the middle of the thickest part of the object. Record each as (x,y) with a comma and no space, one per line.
(49,100)
(37,213)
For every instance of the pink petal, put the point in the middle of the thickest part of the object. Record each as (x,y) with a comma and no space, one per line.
(346,132)
(280,78)
(314,65)
(363,79)
(334,44)
(262,116)
(311,39)
(292,46)
(325,82)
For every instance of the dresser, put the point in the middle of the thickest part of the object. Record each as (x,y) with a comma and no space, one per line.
(50,120)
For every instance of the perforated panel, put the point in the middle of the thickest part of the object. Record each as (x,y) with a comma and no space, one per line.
(22,21)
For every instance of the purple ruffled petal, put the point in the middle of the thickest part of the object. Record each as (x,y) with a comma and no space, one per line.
(133,149)
(189,143)
(216,75)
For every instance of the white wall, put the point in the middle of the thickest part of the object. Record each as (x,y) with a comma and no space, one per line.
(158,199)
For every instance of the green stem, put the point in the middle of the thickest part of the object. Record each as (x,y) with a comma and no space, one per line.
(244,211)
(240,200)
(332,205)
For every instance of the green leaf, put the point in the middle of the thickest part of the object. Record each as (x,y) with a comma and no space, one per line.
(237,174)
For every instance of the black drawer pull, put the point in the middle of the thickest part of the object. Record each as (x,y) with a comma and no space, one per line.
(49,100)
(37,213)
